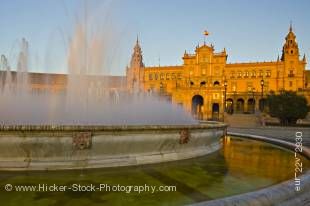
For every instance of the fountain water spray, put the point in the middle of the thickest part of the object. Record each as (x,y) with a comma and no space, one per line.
(87,97)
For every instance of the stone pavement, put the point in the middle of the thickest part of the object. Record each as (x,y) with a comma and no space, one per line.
(284,133)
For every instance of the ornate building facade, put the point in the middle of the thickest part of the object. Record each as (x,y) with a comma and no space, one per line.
(206,85)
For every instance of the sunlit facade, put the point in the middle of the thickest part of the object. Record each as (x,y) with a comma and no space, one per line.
(205,80)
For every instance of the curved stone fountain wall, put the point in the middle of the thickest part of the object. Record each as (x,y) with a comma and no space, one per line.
(73,147)
(282,194)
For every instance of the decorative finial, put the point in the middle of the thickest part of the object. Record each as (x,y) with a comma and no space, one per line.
(304,58)
(224,50)
(137,39)
(278,59)
(291,27)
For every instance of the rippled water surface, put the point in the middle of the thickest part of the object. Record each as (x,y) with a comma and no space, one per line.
(240,166)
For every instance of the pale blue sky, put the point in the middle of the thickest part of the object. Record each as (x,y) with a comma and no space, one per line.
(250,30)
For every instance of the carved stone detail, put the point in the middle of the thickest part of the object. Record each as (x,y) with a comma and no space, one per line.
(184,136)
(82,140)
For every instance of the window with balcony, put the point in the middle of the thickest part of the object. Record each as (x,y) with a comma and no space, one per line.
(179,76)
(234,86)
(249,86)
(203,71)
(156,76)
(173,77)
(291,74)
(162,76)
(239,74)
(167,76)
(232,75)
(291,83)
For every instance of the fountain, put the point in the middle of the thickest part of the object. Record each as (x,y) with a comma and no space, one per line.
(89,124)
(87,131)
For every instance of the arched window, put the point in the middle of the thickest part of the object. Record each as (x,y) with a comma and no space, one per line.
(150,76)
(203,83)
(173,76)
(216,83)
(179,76)
(156,76)
(162,76)
(167,76)
(232,75)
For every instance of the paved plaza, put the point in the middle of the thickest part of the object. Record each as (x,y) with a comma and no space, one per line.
(284,133)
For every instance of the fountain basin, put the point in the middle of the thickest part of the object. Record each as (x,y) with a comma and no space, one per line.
(283,194)
(75,147)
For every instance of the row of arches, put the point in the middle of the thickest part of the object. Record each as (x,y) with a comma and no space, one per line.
(243,106)
(240,106)
(249,73)
(197,108)
(204,83)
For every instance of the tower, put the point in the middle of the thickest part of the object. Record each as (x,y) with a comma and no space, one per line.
(290,49)
(293,66)
(134,72)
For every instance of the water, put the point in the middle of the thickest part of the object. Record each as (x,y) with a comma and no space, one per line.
(240,166)
(87,98)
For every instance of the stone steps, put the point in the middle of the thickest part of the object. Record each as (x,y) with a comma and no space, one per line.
(242,120)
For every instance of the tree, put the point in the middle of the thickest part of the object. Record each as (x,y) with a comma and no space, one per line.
(287,106)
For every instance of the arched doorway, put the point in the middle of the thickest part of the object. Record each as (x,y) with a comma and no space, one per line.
(197,104)
(251,105)
(215,111)
(230,106)
(240,106)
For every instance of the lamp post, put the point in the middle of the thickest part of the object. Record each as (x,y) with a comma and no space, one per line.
(253,95)
(225,87)
(161,88)
(262,85)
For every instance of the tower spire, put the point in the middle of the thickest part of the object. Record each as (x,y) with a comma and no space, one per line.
(137,41)
(290,48)
(137,58)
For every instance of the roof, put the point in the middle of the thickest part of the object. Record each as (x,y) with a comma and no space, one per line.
(271,63)
(164,68)
(62,79)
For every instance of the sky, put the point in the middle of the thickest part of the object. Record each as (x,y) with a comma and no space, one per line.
(249,30)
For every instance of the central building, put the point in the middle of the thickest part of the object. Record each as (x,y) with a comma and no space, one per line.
(206,85)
